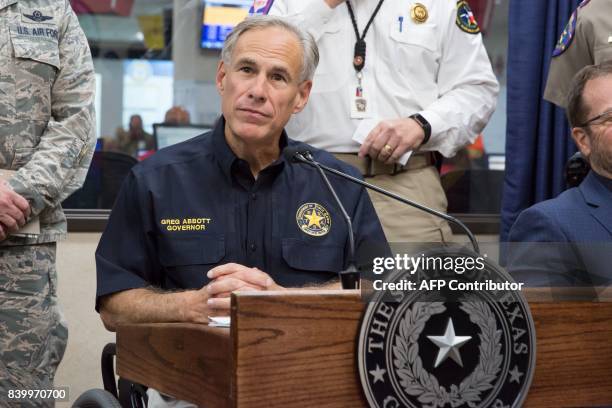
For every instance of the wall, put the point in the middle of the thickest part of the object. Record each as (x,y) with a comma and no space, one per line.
(194,68)
(80,368)
(111,112)
(194,88)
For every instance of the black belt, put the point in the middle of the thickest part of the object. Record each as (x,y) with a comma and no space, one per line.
(371,168)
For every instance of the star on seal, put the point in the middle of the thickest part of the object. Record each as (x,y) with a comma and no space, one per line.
(378,374)
(407,337)
(449,345)
(313,219)
(515,375)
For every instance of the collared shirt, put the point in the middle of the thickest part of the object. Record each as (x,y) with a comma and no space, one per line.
(195,205)
(432,68)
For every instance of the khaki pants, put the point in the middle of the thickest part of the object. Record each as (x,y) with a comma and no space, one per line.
(418,182)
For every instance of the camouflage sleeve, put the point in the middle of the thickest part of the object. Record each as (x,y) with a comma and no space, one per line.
(59,165)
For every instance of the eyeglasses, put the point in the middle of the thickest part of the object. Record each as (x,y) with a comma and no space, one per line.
(603,119)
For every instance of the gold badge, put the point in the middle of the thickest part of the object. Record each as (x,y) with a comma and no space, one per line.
(313,219)
(419,13)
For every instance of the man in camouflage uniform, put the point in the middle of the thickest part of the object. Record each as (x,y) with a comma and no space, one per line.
(47,137)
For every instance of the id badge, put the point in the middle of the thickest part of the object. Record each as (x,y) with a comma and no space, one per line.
(360,100)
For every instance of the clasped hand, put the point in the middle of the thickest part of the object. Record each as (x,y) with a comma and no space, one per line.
(14,211)
(233,277)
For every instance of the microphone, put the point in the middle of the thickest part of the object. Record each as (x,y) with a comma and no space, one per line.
(294,154)
(349,277)
(301,155)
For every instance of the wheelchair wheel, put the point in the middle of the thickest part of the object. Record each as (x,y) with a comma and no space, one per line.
(96,398)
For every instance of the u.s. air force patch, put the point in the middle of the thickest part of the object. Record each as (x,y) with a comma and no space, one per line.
(443,348)
(465,18)
(313,219)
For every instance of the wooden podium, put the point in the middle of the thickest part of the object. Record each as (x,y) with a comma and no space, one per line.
(297,349)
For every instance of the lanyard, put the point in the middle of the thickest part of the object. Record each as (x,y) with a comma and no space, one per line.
(360,44)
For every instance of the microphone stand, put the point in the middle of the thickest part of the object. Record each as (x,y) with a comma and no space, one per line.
(307,159)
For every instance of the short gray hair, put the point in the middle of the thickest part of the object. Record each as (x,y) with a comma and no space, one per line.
(310,51)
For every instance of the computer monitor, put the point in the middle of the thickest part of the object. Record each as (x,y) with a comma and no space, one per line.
(166,135)
(219,17)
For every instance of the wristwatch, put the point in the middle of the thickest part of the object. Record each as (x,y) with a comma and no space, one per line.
(424,124)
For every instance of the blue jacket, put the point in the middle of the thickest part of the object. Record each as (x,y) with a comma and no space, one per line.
(574,236)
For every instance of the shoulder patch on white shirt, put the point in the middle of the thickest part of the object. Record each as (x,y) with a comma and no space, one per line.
(465,18)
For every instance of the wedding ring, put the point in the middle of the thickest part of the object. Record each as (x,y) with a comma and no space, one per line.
(388,148)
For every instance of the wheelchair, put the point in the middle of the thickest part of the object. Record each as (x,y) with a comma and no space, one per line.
(576,169)
(119,394)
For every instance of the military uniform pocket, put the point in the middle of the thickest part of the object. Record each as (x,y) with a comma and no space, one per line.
(30,314)
(36,62)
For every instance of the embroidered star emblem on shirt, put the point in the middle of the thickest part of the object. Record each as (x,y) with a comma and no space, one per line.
(313,219)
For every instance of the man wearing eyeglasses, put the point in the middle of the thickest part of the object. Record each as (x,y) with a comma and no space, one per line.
(578,223)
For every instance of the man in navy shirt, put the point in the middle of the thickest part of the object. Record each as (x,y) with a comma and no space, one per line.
(225,211)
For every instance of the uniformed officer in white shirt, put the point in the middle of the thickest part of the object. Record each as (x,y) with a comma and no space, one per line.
(419,80)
